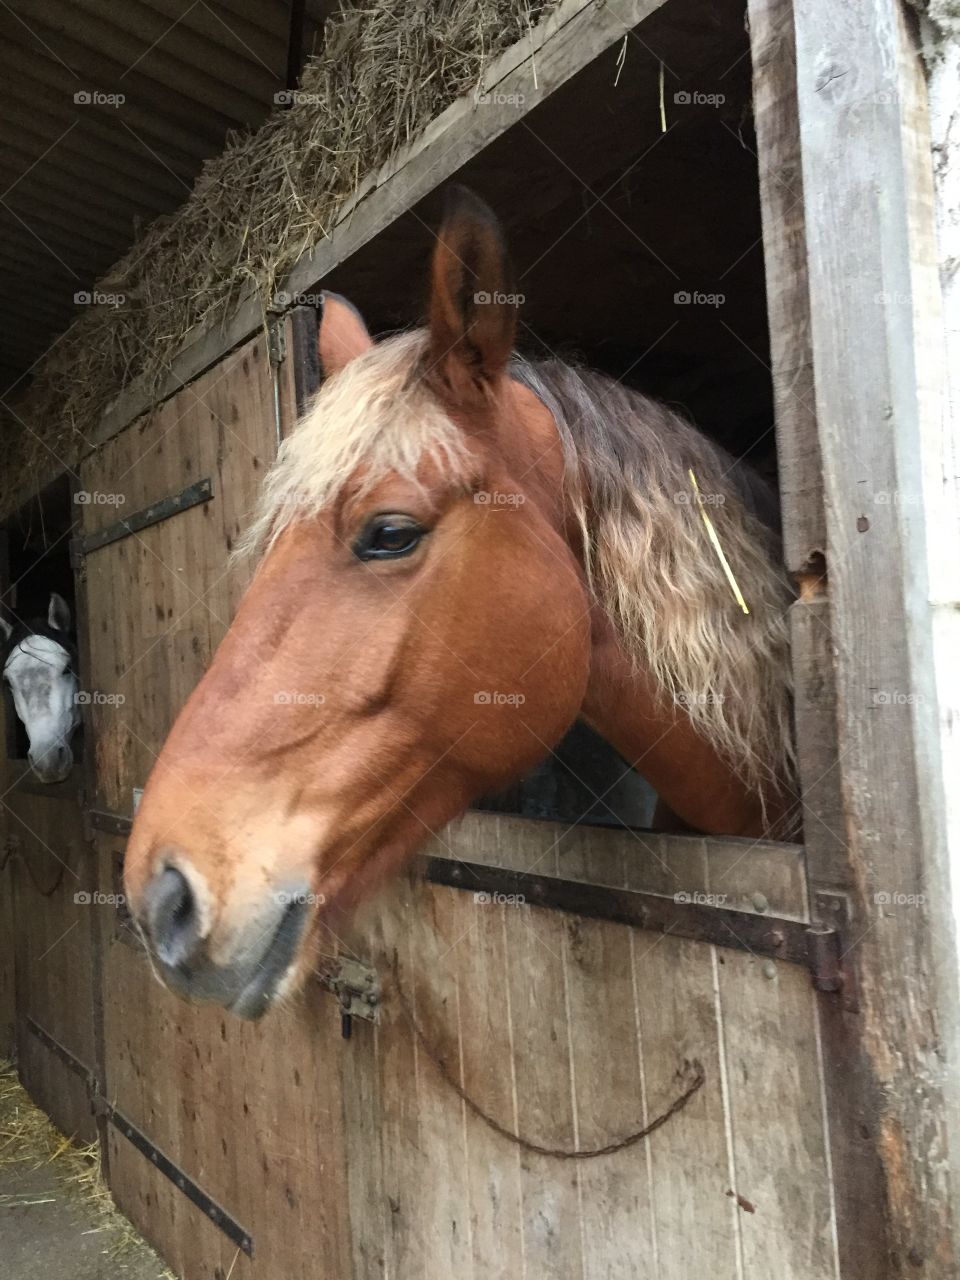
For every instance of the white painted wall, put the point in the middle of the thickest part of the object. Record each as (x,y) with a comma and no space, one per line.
(940,36)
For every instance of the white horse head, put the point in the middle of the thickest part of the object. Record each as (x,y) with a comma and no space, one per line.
(38,667)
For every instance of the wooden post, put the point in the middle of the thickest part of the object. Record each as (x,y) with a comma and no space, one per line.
(87,798)
(850,1091)
(873,329)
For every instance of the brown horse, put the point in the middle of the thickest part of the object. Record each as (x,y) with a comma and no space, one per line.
(462,552)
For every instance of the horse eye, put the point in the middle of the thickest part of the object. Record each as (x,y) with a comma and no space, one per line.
(387,537)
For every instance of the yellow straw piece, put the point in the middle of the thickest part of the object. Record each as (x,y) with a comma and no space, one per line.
(716,545)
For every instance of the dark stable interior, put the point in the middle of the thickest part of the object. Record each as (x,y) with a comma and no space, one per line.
(612,223)
(36,561)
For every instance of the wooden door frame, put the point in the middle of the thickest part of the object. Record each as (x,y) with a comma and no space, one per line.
(849,239)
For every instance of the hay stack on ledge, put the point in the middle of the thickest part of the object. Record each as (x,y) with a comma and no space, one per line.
(386,69)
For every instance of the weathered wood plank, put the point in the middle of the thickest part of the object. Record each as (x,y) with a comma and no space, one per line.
(695,1223)
(254,1115)
(643,860)
(616,1210)
(53,881)
(788,306)
(8,1004)
(870,248)
(780,1162)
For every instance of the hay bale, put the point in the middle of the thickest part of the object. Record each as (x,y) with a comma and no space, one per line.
(387,67)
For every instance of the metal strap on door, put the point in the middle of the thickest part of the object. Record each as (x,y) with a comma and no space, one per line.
(101,1106)
(819,947)
(192,496)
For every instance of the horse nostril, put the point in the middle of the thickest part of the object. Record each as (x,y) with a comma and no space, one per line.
(172,917)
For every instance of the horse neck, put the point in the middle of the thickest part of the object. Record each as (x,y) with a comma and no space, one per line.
(693,781)
(623,701)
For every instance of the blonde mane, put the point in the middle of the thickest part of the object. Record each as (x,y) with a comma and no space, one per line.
(648,557)
(651,565)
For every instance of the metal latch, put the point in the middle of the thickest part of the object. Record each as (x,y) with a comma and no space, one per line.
(356,987)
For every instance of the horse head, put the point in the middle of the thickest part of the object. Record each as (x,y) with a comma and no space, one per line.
(39,667)
(426,622)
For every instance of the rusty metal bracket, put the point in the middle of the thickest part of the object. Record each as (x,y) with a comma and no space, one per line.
(102,1107)
(276,340)
(818,947)
(193,495)
(70,1060)
(831,961)
(114,824)
(181,1180)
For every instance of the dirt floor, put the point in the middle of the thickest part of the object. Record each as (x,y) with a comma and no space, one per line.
(57,1221)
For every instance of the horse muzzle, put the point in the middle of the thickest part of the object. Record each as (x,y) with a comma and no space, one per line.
(244,976)
(52,764)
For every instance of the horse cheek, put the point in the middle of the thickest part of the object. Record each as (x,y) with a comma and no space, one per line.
(531,657)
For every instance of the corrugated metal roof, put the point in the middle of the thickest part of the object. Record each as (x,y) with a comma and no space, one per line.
(107,111)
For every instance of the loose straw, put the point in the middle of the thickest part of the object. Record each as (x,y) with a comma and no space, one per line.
(724,562)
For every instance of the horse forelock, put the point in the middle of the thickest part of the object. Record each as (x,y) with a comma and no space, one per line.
(376,416)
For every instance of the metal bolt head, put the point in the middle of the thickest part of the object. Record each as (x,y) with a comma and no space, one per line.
(759,902)
(768,969)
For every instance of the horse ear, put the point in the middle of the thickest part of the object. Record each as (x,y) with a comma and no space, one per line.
(473,319)
(342,335)
(6,628)
(58,614)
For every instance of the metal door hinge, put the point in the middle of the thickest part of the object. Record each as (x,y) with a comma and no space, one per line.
(276,340)
(831,964)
